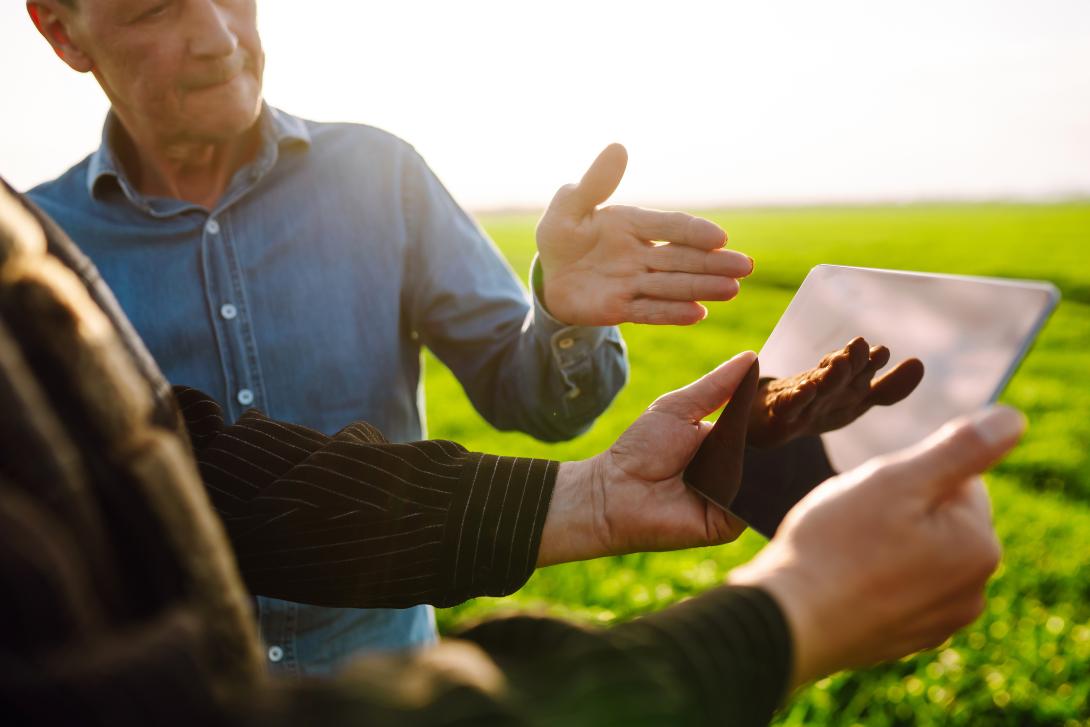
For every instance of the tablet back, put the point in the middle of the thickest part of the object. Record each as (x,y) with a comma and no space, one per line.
(971,333)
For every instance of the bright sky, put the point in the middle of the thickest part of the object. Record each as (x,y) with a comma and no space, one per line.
(718,102)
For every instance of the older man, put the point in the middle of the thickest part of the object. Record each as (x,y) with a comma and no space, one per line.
(309,263)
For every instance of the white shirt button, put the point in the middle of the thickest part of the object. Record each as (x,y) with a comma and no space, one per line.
(245,397)
(275,653)
(566,343)
(228,311)
(212,227)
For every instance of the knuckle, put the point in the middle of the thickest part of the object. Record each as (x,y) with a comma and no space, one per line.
(640,310)
(564,193)
(649,284)
(966,612)
(659,257)
(988,557)
(725,532)
(885,468)
(681,224)
(935,639)
(965,438)
(728,288)
(616,215)
(707,264)
(658,316)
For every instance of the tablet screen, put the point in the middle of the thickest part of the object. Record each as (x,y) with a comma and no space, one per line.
(970,333)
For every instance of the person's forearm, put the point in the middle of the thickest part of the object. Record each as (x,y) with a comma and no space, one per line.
(721,658)
(354,521)
(522,368)
(730,650)
(572,528)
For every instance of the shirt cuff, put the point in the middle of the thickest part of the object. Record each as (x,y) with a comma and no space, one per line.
(569,344)
(493,530)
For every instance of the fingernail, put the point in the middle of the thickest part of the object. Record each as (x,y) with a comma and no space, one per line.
(752,264)
(999,424)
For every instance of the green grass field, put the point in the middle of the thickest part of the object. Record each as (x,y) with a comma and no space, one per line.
(1027,660)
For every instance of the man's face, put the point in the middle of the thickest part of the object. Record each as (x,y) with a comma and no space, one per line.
(177,69)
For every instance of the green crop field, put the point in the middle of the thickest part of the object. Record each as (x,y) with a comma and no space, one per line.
(1027,660)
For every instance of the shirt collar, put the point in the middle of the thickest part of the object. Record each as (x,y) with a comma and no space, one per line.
(278,129)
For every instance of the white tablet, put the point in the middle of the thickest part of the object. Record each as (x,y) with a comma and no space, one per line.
(971,333)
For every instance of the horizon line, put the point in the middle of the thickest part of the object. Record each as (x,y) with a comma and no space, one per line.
(1078,197)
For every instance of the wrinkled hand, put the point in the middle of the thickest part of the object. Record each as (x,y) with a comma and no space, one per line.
(833,395)
(891,557)
(631,498)
(601,266)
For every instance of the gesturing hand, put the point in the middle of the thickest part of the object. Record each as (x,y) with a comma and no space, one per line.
(631,497)
(601,266)
(830,396)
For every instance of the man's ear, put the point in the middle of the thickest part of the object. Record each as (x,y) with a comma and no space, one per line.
(53,23)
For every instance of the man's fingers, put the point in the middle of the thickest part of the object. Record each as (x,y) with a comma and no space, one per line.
(897,384)
(837,372)
(674,258)
(960,450)
(596,186)
(879,357)
(858,354)
(675,227)
(710,391)
(686,286)
(657,312)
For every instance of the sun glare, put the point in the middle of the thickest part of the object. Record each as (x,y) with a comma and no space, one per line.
(718,103)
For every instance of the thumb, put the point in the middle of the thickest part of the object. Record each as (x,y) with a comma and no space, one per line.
(710,391)
(716,469)
(963,448)
(597,185)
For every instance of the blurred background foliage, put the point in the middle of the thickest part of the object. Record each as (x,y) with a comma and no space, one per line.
(1027,660)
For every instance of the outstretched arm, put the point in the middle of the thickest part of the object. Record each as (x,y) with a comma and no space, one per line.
(550,362)
(353,520)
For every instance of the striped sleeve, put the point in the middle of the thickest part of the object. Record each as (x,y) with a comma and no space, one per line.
(354,521)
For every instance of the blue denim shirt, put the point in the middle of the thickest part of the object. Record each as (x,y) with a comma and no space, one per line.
(308,292)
